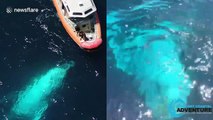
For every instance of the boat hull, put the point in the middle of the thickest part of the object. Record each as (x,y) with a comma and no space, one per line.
(82,44)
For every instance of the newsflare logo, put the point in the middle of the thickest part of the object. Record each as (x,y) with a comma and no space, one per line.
(10,10)
(178,108)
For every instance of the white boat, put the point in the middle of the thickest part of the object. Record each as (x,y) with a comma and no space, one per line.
(80,20)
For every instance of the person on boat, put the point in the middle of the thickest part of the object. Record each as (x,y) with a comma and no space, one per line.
(83,36)
(79,33)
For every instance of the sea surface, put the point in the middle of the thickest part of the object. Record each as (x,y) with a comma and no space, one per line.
(158,51)
(33,44)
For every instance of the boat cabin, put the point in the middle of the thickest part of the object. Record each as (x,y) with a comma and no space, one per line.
(79,8)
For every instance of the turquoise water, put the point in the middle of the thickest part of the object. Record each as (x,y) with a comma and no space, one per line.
(33,101)
(151,41)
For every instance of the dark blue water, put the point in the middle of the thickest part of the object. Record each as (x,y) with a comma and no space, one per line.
(33,43)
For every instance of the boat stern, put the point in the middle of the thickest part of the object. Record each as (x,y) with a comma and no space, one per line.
(89,45)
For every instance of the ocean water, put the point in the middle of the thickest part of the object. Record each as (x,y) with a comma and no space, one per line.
(35,46)
(158,51)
